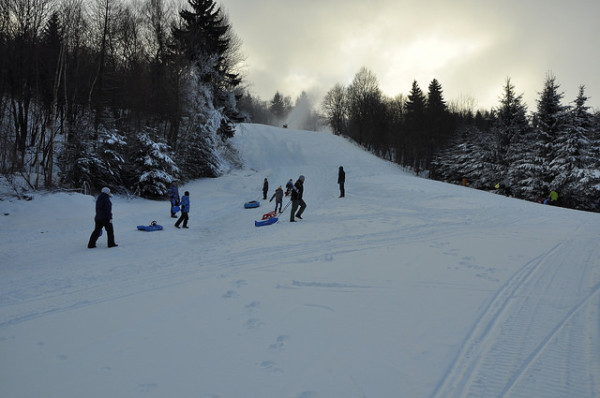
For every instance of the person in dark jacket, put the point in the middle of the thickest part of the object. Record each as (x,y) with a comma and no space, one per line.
(173,193)
(288,187)
(185,210)
(341,181)
(297,200)
(278,196)
(265,189)
(103,219)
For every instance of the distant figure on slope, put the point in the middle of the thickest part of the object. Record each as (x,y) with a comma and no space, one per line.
(173,193)
(185,210)
(265,189)
(342,181)
(288,187)
(278,195)
(552,198)
(297,201)
(103,219)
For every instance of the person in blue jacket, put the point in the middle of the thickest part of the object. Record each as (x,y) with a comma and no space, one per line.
(185,209)
(103,219)
(173,193)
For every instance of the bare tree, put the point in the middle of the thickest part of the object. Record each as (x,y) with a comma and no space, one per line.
(335,108)
(364,103)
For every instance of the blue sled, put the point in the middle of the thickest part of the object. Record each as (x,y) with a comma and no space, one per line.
(252,204)
(268,221)
(155,227)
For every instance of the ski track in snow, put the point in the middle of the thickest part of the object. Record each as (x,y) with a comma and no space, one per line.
(500,355)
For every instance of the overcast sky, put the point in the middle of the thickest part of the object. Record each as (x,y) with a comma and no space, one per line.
(470,47)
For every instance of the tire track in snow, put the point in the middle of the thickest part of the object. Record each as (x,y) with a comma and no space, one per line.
(457,379)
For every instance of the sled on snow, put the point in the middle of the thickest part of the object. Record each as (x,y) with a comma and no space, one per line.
(252,204)
(152,227)
(270,214)
(268,221)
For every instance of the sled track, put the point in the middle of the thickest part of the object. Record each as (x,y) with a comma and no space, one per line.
(505,341)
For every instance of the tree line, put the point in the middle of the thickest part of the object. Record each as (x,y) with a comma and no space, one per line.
(282,111)
(126,94)
(506,149)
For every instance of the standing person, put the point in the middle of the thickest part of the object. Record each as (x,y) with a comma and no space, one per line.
(288,187)
(185,210)
(103,219)
(297,200)
(173,193)
(341,181)
(278,195)
(265,189)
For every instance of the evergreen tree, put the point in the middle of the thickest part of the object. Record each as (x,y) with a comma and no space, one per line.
(468,157)
(550,120)
(151,168)
(575,163)
(414,122)
(529,173)
(438,128)
(510,124)
(97,162)
(280,107)
(206,40)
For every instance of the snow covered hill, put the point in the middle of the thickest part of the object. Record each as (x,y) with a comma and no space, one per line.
(404,288)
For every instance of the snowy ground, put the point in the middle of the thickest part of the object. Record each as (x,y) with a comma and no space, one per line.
(405,288)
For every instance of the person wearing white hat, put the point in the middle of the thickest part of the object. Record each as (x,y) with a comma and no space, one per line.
(103,219)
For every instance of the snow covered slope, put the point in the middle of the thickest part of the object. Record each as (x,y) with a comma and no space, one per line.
(404,288)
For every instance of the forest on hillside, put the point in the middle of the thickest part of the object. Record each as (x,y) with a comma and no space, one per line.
(136,94)
(507,149)
(103,92)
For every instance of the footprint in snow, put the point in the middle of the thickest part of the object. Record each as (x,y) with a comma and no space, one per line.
(230,294)
(271,367)
(253,305)
(280,343)
(253,323)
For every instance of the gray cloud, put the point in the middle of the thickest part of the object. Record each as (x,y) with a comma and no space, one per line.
(471,47)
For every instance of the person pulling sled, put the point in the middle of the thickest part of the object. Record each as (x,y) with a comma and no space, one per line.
(278,196)
(297,201)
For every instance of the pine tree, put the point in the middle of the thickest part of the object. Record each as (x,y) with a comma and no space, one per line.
(280,107)
(530,172)
(151,166)
(467,157)
(574,165)
(414,123)
(549,122)
(207,41)
(510,125)
(438,128)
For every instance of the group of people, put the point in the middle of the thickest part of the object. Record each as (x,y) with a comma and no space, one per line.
(103,218)
(296,190)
